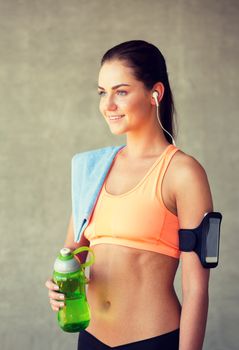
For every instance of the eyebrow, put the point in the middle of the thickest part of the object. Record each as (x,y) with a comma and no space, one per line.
(114,87)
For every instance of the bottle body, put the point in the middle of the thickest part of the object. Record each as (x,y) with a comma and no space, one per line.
(75,315)
(69,275)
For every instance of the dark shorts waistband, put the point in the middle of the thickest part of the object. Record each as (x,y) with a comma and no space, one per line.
(166,341)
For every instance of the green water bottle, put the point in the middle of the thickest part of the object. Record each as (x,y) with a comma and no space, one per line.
(69,275)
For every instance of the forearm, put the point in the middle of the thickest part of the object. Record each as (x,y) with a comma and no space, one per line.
(193,320)
(72,245)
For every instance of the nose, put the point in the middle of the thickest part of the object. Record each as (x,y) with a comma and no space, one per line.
(110,104)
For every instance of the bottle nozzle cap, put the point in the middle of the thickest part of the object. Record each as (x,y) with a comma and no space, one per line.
(65,251)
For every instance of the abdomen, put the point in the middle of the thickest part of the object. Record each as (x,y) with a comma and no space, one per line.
(131,294)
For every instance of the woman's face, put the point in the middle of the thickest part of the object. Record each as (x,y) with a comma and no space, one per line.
(125,103)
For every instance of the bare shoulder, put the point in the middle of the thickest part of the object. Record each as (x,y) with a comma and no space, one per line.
(191,188)
(187,167)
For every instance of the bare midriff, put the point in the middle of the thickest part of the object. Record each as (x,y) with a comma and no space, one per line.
(131,294)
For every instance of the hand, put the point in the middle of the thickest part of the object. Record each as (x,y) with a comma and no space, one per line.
(54,296)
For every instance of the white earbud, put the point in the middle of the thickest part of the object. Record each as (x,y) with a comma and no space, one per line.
(156,95)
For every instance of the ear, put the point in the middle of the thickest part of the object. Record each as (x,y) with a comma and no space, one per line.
(159,87)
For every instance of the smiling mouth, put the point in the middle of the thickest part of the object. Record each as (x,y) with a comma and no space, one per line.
(116,117)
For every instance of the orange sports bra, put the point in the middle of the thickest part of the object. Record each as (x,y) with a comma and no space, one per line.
(137,218)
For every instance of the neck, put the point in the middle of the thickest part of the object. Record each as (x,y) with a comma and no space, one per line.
(142,145)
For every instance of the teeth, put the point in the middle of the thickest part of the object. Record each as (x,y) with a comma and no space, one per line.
(116,117)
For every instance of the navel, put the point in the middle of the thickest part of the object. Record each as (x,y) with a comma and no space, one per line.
(107,304)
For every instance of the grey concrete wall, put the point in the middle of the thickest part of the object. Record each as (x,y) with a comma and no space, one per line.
(49,61)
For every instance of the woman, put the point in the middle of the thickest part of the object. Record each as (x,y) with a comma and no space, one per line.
(151,190)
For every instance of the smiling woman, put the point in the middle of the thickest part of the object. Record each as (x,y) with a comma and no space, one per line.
(150,190)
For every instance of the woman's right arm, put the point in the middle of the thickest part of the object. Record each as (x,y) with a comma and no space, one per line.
(57,299)
(69,242)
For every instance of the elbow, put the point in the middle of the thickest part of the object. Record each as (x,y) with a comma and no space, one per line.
(196,282)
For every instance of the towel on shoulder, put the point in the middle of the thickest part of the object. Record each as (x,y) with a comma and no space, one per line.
(88,172)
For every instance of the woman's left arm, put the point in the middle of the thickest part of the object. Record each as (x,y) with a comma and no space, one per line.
(193,200)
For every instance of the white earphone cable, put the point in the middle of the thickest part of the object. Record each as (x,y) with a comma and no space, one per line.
(157,110)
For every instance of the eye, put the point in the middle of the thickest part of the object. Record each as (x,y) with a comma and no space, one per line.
(118,92)
(122,92)
(101,93)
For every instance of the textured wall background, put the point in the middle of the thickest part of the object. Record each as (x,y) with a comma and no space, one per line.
(50,53)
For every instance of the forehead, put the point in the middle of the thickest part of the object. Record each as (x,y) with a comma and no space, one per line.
(115,72)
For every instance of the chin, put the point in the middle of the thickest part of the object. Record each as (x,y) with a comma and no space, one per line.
(118,132)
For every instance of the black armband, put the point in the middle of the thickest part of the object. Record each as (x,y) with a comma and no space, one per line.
(204,239)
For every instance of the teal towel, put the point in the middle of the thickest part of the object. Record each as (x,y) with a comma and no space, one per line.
(88,172)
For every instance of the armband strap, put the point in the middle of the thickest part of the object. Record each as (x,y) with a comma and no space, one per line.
(187,240)
(191,239)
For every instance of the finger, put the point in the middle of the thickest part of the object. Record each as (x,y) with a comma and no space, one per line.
(54,308)
(56,304)
(56,295)
(51,285)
